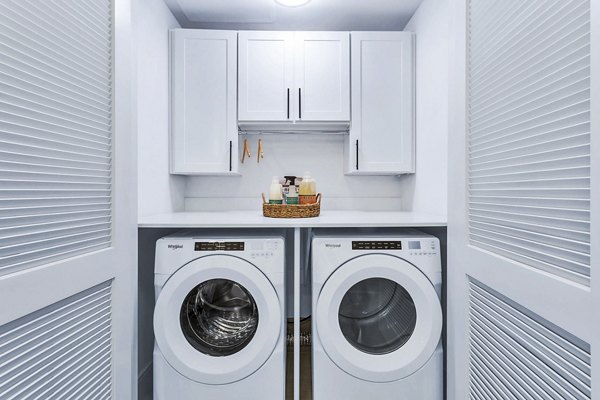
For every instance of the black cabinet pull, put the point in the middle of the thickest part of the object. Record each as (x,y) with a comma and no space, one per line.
(299,103)
(230,155)
(288,103)
(357,154)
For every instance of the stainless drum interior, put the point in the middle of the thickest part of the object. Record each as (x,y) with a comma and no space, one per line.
(377,316)
(219,317)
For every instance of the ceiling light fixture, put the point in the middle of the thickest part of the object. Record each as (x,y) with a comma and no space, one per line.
(292,3)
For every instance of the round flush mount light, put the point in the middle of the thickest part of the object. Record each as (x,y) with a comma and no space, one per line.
(292,3)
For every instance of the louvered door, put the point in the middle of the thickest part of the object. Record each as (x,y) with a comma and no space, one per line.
(524,228)
(67,252)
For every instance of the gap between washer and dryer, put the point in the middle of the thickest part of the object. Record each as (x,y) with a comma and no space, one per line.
(305,361)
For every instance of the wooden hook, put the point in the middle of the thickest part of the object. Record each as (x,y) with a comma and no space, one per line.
(246,151)
(260,153)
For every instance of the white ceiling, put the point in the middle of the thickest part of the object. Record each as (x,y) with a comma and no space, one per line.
(316,15)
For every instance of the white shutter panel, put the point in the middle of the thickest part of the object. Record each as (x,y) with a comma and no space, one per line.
(55,130)
(516,354)
(529,132)
(63,351)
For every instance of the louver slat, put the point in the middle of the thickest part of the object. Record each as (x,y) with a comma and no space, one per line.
(529,133)
(515,354)
(55,133)
(87,129)
(547,31)
(30,92)
(41,104)
(40,35)
(62,351)
(41,13)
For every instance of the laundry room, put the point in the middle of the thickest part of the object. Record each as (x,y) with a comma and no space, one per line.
(394,168)
(299,199)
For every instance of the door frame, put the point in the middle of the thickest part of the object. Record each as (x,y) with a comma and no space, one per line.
(125,173)
(595,189)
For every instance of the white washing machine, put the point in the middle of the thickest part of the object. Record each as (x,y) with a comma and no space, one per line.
(219,318)
(377,317)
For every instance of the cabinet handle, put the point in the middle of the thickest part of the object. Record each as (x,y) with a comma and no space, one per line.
(357,154)
(288,103)
(299,103)
(230,155)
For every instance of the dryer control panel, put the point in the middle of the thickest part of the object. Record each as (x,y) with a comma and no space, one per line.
(376,245)
(415,247)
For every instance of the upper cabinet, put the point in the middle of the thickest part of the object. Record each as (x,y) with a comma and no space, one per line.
(381,139)
(203,102)
(294,77)
(265,76)
(322,76)
(277,79)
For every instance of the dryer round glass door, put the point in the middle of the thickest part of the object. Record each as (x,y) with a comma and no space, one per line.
(217,319)
(378,318)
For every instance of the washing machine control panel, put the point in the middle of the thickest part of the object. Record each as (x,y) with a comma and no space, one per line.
(266,249)
(219,246)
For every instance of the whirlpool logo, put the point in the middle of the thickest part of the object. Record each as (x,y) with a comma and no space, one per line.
(333,245)
(175,246)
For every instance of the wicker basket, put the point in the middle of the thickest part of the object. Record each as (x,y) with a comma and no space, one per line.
(292,210)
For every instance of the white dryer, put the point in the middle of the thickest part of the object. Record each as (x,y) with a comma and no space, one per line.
(219,318)
(377,317)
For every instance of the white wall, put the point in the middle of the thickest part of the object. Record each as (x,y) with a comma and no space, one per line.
(293,154)
(427,190)
(158,191)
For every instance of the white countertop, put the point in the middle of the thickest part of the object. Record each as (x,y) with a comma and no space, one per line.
(255,219)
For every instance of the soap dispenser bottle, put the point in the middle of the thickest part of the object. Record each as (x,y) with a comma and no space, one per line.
(275,195)
(292,196)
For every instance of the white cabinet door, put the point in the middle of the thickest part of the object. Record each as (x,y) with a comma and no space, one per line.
(524,204)
(203,102)
(322,76)
(265,76)
(382,134)
(68,258)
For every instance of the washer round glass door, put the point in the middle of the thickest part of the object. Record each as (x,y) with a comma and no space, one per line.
(379,318)
(217,319)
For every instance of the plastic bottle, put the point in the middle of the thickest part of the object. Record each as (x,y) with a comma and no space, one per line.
(308,190)
(275,196)
(292,196)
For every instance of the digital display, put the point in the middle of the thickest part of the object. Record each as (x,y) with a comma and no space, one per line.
(219,246)
(377,245)
(414,245)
